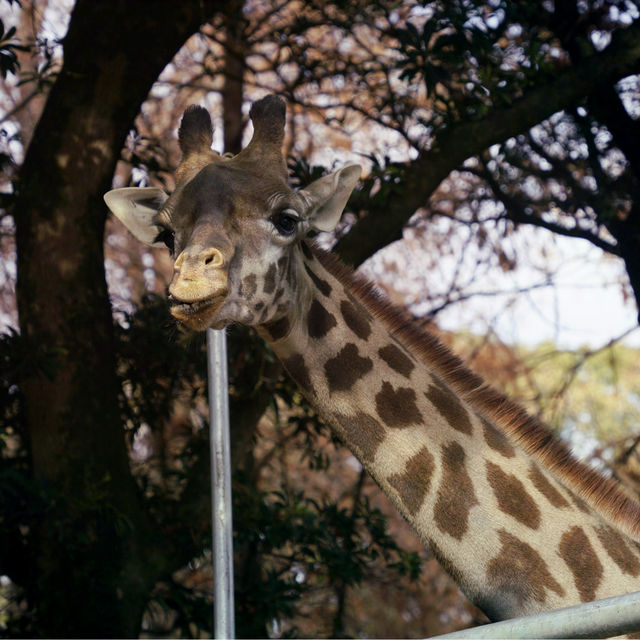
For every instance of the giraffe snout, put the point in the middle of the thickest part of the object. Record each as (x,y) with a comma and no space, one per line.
(199,275)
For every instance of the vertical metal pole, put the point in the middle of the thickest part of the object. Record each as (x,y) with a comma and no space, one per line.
(223,609)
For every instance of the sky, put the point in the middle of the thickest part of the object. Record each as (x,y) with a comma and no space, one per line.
(585,308)
(582,306)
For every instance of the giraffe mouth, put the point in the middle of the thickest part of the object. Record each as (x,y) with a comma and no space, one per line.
(198,315)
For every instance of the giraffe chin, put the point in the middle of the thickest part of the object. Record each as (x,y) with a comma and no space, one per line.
(200,315)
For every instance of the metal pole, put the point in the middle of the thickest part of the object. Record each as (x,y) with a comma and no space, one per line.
(598,619)
(222,534)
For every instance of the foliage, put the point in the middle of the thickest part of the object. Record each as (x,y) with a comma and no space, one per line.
(8,48)
(302,546)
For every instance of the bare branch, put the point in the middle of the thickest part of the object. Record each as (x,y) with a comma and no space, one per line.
(466,139)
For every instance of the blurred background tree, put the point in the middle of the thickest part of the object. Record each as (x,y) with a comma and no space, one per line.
(498,140)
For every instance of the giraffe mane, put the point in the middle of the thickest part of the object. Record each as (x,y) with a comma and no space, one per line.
(602,493)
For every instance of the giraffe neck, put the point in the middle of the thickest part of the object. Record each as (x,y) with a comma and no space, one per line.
(514,535)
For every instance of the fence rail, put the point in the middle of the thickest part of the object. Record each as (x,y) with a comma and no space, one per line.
(221,512)
(597,619)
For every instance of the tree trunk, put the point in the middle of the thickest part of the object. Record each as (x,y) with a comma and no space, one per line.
(92,574)
(234,68)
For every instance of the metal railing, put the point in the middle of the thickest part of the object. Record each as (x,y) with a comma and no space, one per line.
(597,619)
(221,511)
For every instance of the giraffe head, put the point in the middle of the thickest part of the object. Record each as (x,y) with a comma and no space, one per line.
(233,225)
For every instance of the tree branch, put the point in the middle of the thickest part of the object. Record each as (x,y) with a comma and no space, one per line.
(454,145)
(517,214)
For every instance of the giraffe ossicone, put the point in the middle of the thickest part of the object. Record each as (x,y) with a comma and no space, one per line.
(520,525)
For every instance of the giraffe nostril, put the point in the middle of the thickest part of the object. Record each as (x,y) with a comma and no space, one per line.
(213,258)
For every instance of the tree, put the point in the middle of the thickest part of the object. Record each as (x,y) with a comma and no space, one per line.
(113,53)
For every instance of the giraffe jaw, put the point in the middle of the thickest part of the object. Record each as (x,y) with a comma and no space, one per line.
(201,314)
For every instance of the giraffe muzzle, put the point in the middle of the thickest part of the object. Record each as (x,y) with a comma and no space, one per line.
(198,315)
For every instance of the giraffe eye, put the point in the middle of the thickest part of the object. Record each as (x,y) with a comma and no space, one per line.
(167,236)
(285,222)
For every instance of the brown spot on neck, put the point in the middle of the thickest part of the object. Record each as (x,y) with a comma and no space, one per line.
(397,360)
(306,251)
(278,329)
(413,484)
(361,431)
(544,486)
(356,319)
(297,369)
(518,574)
(512,497)
(579,502)
(343,371)
(449,407)
(618,550)
(397,407)
(496,440)
(321,285)
(456,496)
(319,320)
(576,550)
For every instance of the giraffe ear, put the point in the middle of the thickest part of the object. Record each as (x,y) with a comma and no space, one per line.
(136,208)
(329,195)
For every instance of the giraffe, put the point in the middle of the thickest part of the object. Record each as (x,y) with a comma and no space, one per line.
(518,523)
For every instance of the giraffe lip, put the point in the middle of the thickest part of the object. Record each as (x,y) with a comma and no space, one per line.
(198,314)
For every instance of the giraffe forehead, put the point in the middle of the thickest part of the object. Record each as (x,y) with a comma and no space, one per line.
(221,191)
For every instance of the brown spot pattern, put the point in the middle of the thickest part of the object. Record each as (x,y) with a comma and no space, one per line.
(278,328)
(306,251)
(542,484)
(496,440)
(269,285)
(319,320)
(343,371)
(579,502)
(297,369)
(397,407)
(618,550)
(322,285)
(576,550)
(397,360)
(403,348)
(249,286)
(456,496)
(362,431)
(519,571)
(449,407)
(413,484)
(512,497)
(356,320)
